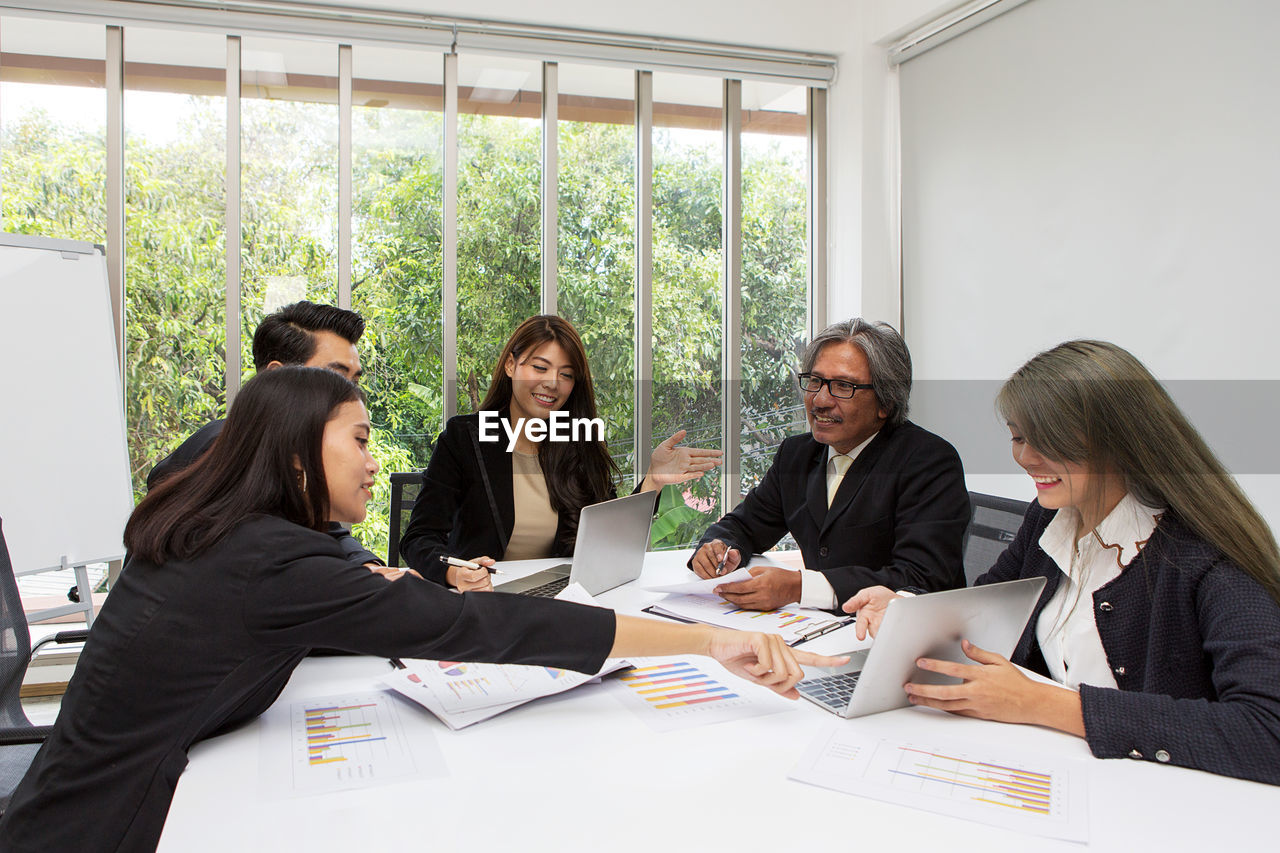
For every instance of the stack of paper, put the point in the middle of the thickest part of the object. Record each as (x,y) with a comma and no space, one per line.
(693,599)
(461,693)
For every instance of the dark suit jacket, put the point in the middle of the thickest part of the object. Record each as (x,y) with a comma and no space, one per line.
(467,505)
(1194,646)
(186,650)
(898,517)
(199,442)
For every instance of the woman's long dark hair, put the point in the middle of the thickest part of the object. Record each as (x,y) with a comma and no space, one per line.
(578,473)
(267,459)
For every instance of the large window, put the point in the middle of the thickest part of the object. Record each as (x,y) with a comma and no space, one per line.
(634,166)
(499,211)
(688,291)
(596,246)
(53,116)
(175,253)
(288,178)
(397,126)
(397,119)
(775,268)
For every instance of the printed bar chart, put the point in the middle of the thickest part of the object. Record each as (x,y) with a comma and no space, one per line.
(981,781)
(671,685)
(348,741)
(777,618)
(331,727)
(1022,792)
(673,693)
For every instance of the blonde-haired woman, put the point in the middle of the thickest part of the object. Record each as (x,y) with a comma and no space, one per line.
(1161,615)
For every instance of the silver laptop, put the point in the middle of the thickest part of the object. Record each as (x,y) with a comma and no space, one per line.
(991,617)
(612,539)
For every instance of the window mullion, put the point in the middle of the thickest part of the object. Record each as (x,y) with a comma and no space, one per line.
(731,246)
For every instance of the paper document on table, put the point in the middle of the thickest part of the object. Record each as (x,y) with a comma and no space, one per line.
(462,693)
(794,623)
(700,586)
(1035,794)
(334,743)
(682,692)
(461,687)
(576,593)
(691,583)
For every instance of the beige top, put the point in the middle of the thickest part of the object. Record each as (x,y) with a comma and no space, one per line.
(535,529)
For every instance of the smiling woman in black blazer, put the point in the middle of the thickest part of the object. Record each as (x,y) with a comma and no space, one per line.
(483,502)
(1160,619)
(233,581)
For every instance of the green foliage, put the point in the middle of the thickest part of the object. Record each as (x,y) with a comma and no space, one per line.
(176,277)
(676,523)
(392,458)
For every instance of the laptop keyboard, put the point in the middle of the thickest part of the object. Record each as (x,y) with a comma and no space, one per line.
(548,590)
(833,691)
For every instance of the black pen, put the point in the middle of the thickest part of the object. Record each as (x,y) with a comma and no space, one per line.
(467,564)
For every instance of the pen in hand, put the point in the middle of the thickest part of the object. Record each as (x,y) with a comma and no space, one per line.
(467,564)
(724,558)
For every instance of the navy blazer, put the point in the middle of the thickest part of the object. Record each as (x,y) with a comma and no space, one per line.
(467,504)
(898,518)
(1193,643)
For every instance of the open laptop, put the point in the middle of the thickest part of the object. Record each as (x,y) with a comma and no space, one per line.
(612,539)
(991,617)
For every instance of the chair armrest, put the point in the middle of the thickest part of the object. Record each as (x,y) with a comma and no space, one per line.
(25,734)
(78,635)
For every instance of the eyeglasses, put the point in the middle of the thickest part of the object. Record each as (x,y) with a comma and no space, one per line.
(812,383)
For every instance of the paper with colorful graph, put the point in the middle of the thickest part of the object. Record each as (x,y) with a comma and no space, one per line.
(670,693)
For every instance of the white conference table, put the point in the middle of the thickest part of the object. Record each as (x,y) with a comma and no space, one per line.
(580,772)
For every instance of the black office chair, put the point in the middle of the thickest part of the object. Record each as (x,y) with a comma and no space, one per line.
(404,492)
(19,740)
(993,522)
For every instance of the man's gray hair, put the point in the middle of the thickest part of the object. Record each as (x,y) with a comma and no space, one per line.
(887,356)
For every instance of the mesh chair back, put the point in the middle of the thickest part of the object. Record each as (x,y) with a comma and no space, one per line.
(15,643)
(404,493)
(993,522)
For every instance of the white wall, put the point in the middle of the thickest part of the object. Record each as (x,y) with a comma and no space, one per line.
(870,142)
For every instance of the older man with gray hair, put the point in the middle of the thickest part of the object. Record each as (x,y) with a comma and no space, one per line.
(870,497)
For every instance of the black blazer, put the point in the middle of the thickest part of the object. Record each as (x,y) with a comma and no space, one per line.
(467,504)
(1192,643)
(898,518)
(186,650)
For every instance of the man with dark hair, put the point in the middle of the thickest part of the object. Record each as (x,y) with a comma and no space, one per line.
(312,335)
(303,333)
(870,497)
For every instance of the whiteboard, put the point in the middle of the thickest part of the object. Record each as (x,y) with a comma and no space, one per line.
(64,465)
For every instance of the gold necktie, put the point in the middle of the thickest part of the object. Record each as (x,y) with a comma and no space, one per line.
(839,465)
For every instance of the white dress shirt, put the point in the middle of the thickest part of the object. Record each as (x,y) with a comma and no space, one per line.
(1066,630)
(815,589)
